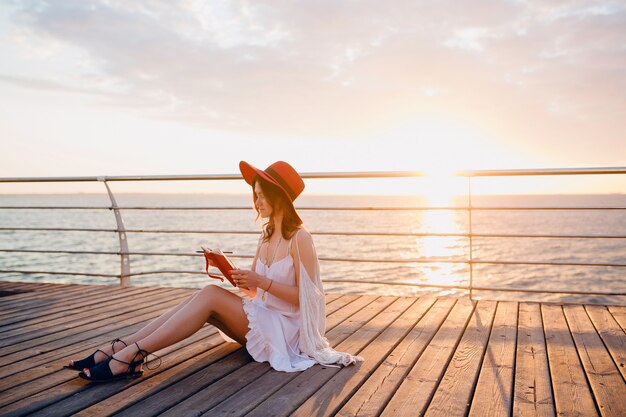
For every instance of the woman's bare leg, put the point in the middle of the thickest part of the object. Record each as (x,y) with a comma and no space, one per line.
(211,304)
(140,334)
(156,323)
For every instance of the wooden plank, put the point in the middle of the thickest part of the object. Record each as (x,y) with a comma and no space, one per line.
(611,333)
(48,295)
(53,358)
(493,395)
(73,314)
(24,291)
(255,393)
(51,361)
(20,281)
(594,342)
(8,284)
(341,302)
(80,316)
(54,304)
(331,297)
(211,395)
(65,338)
(18,310)
(207,397)
(45,315)
(81,321)
(533,393)
(572,396)
(42,314)
(71,308)
(606,382)
(222,359)
(28,286)
(619,314)
(329,398)
(69,398)
(453,395)
(415,392)
(285,400)
(54,386)
(374,394)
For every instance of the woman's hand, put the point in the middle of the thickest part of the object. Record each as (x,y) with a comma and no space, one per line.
(247,279)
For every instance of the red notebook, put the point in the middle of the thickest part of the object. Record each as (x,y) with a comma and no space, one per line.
(222,263)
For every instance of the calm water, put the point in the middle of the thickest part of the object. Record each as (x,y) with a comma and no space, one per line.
(611,222)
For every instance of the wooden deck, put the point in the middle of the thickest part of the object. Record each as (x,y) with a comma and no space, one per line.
(424,356)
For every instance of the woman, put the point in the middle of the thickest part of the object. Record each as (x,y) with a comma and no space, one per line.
(284,321)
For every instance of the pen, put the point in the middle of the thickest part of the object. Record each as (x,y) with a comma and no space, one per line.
(200,251)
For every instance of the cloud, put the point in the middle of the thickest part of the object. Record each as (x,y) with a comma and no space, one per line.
(330,67)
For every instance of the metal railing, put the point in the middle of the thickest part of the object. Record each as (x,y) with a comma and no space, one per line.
(125,253)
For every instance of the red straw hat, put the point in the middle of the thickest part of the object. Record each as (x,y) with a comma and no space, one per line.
(280,173)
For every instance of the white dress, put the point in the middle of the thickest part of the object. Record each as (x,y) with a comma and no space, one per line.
(274,323)
(291,338)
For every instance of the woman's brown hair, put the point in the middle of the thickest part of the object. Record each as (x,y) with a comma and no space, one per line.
(278,200)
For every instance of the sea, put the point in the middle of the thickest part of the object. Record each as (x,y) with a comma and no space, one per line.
(382,254)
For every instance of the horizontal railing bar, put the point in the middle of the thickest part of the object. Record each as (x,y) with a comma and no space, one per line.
(125,178)
(420,260)
(57,207)
(575,292)
(465,261)
(411,284)
(415,284)
(550,171)
(227,208)
(168,271)
(406,284)
(56,229)
(19,271)
(231,232)
(80,252)
(69,252)
(331,175)
(539,208)
(397,261)
(320,233)
(404,261)
(546,263)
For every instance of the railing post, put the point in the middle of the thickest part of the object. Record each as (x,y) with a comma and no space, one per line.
(471,247)
(121,231)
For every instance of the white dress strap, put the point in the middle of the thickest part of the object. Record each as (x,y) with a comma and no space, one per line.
(295,235)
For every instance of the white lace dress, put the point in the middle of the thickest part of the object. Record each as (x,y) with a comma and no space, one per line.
(274,323)
(291,338)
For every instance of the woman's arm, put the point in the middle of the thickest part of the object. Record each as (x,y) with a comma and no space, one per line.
(285,292)
(289,293)
(253,281)
(305,254)
(251,290)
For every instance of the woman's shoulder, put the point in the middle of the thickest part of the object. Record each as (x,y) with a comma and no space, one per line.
(302,238)
(301,234)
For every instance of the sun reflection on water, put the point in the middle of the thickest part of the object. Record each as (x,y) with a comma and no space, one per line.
(441,247)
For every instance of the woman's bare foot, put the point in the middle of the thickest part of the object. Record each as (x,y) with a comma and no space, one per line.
(108,351)
(126,355)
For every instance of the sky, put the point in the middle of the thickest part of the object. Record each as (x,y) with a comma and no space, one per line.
(182,87)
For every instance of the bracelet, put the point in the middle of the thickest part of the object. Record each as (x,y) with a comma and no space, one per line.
(269,286)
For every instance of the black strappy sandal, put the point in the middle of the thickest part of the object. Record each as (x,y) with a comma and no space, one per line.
(90,361)
(102,372)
